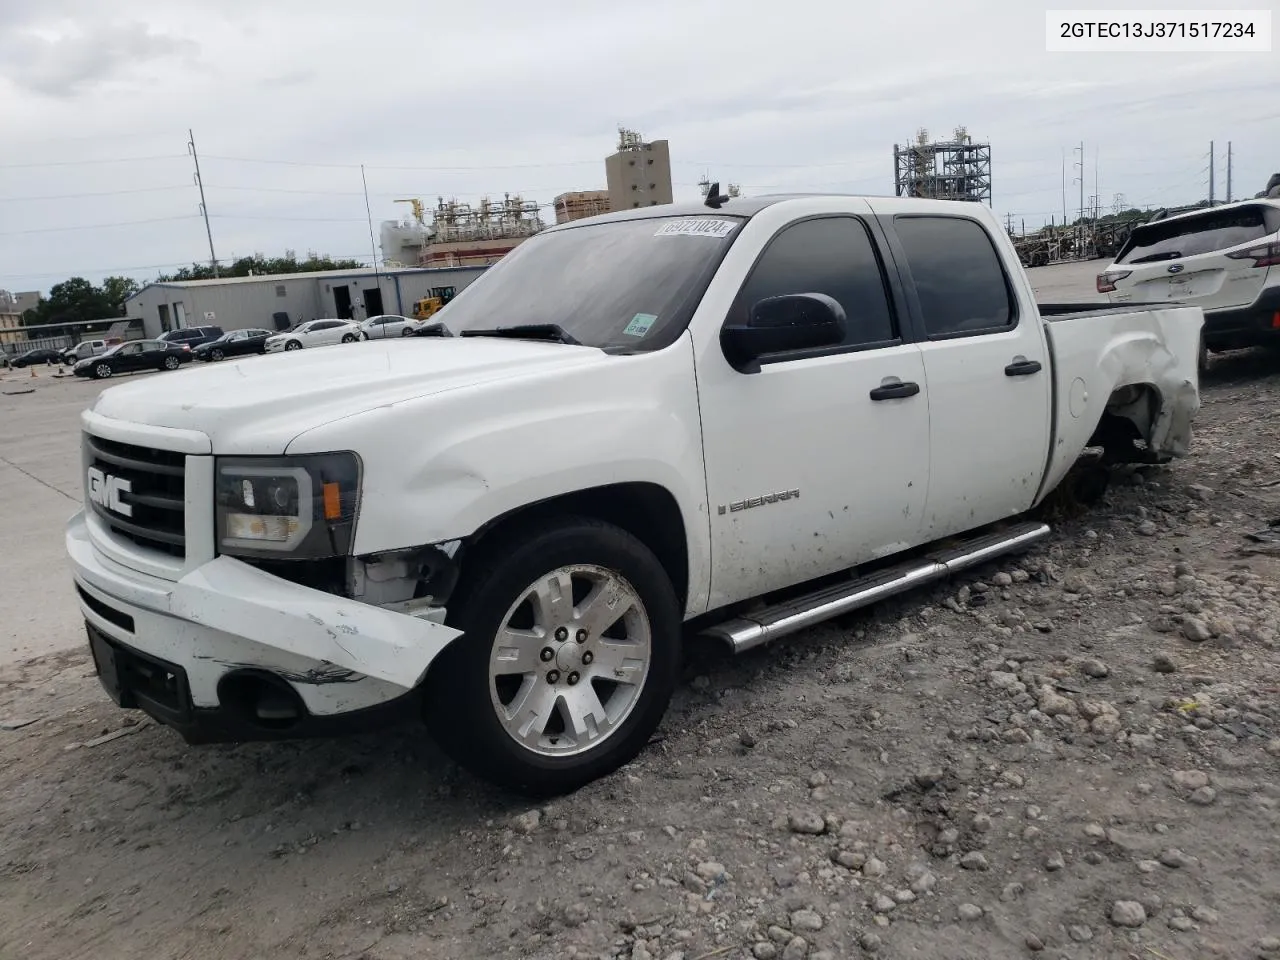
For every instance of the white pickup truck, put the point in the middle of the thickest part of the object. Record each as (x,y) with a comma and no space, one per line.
(740,417)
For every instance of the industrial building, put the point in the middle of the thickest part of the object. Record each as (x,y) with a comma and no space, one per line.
(955,169)
(275,302)
(638,173)
(12,307)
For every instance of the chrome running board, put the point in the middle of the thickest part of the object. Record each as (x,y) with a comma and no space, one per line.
(761,626)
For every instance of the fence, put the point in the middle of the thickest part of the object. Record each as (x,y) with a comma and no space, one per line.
(12,350)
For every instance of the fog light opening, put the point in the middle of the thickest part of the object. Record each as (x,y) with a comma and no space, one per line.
(261,699)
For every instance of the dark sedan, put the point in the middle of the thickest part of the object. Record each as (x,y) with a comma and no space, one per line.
(134,356)
(236,343)
(36,356)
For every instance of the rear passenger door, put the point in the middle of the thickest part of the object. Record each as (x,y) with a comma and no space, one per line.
(987,366)
(819,461)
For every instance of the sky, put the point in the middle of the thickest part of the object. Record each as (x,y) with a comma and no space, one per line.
(287,100)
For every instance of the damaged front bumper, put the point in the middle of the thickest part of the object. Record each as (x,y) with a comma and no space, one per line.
(225,629)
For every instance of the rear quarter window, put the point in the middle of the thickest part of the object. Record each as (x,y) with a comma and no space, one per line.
(957,274)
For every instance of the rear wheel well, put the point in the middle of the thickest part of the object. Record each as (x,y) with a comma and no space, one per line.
(1128,418)
(645,510)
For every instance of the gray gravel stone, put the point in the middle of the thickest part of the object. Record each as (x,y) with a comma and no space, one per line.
(1195,630)
(527,822)
(1095,669)
(806,921)
(974,861)
(1054,862)
(1034,943)
(1080,933)
(764,950)
(870,942)
(883,904)
(1204,796)
(576,914)
(806,821)
(1204,915)
(969,912)
(874,868)
(797,949)
(1128,913)
(1164,663)
(1190,779)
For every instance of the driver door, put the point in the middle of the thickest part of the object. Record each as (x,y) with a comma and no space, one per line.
(129,358)
(812,466)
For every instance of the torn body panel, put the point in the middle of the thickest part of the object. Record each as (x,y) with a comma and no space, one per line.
(227,613)
(1138,367)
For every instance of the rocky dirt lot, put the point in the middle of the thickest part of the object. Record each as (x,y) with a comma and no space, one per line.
(1072,754)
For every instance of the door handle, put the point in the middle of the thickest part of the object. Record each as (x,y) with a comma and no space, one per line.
(894,391)
(1022,368)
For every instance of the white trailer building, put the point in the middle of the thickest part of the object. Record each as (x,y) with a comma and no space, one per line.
(275,302)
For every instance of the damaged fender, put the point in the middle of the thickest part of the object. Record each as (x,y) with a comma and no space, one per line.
(229,595)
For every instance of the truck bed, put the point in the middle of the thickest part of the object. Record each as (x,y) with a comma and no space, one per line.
(1055,312)
(1130,361)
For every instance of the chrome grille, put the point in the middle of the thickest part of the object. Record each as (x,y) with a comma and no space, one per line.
(155,496)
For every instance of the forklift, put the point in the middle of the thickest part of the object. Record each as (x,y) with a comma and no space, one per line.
(427,307)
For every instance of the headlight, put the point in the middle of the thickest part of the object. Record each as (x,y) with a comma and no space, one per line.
(303,507)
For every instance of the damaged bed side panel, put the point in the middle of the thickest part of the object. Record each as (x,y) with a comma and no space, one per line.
(1097,356)
(229,595)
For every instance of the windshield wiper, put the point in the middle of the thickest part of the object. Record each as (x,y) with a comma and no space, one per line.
(529,331)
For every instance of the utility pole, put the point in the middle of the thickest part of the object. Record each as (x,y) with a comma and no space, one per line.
(373,247)
(204,210)
(1211,173)
(1228,171)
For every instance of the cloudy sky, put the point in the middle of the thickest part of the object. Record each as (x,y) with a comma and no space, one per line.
(287,99)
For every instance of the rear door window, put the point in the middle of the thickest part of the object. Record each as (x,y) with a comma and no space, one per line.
(958,277)
(1199,234)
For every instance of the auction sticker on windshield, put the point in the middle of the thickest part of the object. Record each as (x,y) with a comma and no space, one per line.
(640,324)
(696,228)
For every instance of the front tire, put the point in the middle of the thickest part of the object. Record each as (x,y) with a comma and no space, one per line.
(348,338)
(570,654)
(102,371)
(216,355)
(406,331)
(293,345)
(171,363)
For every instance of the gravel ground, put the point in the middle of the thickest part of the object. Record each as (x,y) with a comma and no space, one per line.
(1070,754)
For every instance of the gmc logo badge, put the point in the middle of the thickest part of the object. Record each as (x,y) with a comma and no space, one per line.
(105,491)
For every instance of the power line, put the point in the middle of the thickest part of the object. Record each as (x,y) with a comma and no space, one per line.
(100,193)
(77,163)
(100,226)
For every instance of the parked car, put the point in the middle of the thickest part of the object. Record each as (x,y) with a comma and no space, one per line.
(314,333)
(388,325)
(134,356)
(1225,260)
(39,355)
(236,343)
(85,349)
(752,417)
(191,336)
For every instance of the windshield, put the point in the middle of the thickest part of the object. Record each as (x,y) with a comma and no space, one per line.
(624,285)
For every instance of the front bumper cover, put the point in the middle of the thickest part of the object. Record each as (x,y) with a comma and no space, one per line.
(255,610)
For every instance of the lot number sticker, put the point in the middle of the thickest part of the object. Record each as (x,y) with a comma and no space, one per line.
(640,324)
(688,227)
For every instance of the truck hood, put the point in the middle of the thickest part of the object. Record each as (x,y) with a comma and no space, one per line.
(257,405)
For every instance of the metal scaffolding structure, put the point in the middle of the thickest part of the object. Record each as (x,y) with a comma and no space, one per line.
(956,169)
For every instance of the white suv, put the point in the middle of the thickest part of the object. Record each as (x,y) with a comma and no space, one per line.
(1225,260)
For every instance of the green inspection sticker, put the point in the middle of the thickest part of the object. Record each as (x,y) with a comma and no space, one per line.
(640,324)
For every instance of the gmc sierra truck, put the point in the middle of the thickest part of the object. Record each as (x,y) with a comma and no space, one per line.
(740,418)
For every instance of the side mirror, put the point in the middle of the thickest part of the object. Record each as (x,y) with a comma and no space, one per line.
(795,321)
